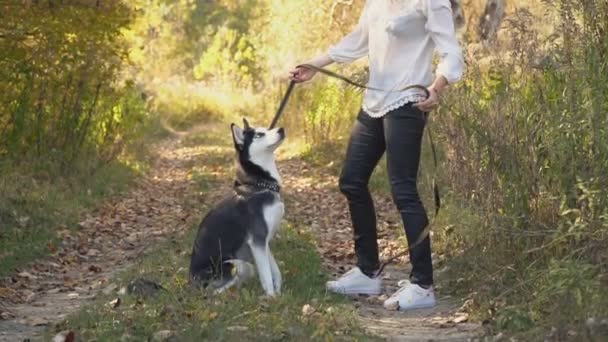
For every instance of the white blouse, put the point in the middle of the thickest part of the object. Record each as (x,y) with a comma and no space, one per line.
(400,37)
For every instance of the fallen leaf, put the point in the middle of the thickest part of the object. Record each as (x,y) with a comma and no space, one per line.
(237,328)
(211,316)
(23,221)
(93,252)
(5,315)
(71,337)
(307,310)
(37,321)
(28,296)
(460,318)
(51,247)
(162,335)
(114,303)
(373,300)
(8,294)
(94,268)
(65,336)
(446,324)
(26,275)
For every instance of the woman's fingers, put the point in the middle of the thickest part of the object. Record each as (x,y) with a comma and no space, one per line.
(295,74)
(426,105)
(429,103)
(423,105)
(301,74)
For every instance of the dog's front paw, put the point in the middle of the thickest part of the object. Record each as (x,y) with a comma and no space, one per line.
(277,280)
(276,284)
(269,296)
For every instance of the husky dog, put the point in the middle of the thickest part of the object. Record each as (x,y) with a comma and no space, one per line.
(238,230)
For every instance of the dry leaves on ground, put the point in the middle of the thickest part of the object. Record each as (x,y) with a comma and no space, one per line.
(157,206)
(315,203)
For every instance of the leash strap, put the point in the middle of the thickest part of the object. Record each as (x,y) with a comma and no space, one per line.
(435,186)
(330,73)
(425,233)
(363,86)
(279,112)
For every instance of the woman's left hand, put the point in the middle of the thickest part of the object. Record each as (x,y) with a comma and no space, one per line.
(430,103)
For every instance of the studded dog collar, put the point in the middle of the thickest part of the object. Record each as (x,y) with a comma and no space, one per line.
(261,185)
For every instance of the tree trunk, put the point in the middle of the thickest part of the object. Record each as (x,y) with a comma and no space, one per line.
(491,19)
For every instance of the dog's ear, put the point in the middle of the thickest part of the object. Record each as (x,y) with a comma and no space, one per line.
(246,124)
(237,136)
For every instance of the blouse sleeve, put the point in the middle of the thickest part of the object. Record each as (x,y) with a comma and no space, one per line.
(440,25)
(355,44)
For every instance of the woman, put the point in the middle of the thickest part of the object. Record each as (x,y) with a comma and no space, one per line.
(399,37)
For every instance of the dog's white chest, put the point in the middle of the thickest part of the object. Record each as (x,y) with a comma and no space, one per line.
(273,214)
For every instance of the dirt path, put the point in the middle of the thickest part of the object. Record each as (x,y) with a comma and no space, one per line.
(159,205)
(313,200)
(163,204)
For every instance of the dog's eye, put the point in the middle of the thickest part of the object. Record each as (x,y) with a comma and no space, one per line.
(258,135)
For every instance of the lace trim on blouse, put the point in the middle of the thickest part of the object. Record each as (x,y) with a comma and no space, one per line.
(392,106)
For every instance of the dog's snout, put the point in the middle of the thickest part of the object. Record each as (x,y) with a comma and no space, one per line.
(281,132)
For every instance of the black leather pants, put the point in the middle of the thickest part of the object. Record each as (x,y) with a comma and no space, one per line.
(399,133)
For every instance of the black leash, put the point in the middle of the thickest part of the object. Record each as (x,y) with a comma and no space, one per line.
(283,104)
(330,73)
(425,233)
(363,86)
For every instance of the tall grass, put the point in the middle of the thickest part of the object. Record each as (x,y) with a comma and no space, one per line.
(525,146)
(37,200)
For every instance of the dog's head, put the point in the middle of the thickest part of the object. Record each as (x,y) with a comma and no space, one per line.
(256,141)
(256,144)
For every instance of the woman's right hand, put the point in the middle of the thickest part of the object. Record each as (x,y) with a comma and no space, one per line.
(302,74)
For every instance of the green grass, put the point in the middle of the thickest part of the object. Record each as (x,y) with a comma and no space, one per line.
(36,203)
(39,197)
(240,314)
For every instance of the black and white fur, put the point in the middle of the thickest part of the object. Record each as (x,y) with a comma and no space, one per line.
(239,229)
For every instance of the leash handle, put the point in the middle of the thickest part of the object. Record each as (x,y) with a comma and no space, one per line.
(279,112)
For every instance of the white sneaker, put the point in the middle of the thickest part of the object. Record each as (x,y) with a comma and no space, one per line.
(355,282)
(410,296)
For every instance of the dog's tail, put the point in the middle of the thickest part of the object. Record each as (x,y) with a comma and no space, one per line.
(233,272)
